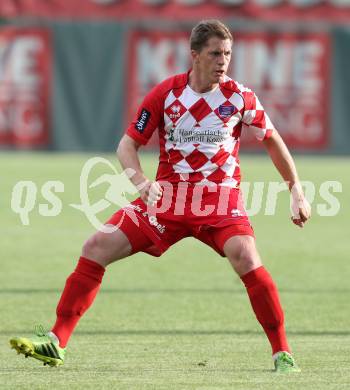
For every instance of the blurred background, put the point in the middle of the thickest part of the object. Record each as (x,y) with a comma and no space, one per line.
(72,73)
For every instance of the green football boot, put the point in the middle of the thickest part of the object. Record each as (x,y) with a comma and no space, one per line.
(41,347)
(285,363)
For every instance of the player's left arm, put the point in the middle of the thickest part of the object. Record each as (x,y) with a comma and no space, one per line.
(285,165)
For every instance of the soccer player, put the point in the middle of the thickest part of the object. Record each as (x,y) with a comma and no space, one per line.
(199,116)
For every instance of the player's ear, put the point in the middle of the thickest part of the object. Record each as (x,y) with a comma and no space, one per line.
(194,55)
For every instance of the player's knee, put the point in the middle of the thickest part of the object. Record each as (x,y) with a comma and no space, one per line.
(243,259)
(247,261)
(93,245)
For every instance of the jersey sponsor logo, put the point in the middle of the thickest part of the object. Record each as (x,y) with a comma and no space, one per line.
(142,120)
(200,135)
(226,111)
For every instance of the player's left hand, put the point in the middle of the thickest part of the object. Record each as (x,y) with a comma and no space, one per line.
(301,209)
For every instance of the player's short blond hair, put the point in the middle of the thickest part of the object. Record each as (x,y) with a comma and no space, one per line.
(205,30)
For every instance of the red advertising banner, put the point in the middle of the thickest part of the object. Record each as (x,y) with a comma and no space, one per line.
(290,73)
(336,11)
(25,63)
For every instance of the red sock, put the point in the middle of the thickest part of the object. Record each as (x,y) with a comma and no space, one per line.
(263,296)
(78,294)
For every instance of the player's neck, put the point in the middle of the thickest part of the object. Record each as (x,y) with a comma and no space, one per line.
(200,84)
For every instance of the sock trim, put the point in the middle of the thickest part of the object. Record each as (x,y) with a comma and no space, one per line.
(275,355)
(53,337)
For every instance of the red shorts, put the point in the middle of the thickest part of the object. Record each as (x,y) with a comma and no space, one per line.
(204,214)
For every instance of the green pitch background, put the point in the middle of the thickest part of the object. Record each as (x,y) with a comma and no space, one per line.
(182,321)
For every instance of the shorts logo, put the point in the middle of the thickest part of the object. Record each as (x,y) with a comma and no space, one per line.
(236,213)
(152,219)
(154,222)
(142,121)
(226,111)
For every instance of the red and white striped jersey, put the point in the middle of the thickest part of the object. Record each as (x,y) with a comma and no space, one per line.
(199,133)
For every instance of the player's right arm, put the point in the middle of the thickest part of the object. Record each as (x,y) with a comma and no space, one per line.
(127,153)
(148,118)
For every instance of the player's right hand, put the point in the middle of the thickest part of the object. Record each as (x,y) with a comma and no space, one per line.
(151,192)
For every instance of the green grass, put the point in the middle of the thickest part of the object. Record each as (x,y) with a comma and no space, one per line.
(182,321)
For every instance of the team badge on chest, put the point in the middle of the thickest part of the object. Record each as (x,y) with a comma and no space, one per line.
(225,111)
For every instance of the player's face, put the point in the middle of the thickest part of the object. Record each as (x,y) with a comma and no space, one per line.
(213,60)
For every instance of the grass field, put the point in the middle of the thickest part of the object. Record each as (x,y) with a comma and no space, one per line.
(182,321)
